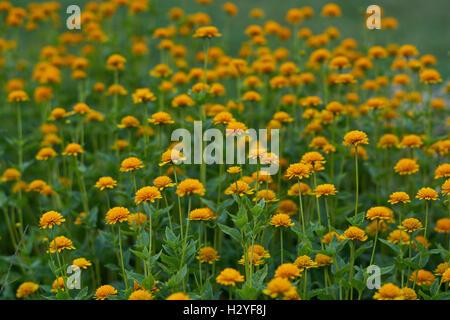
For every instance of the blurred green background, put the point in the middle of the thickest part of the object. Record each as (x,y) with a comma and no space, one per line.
(425,24)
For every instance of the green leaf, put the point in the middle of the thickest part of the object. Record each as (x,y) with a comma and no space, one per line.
(233,233)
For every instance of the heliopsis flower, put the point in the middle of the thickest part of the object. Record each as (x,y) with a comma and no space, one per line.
(256,253)
(131,164)
(441,268)
(430,76)
(137,219)
(140,295)
(411,225)
(427,194)
(267,194)
(388,140)
(446,187)
(442,225)
(46,153)
(147,194)
(239,187)
(206,32)
(143,95)
(388,291)
(117,214)
(424,277)
(304,262)
(81,263)
(51,219)
(190,186)
(287,207)
(178,296)
(325,190)
(442,171)
(398,197)
(25,289)
(105,182)
(446,276)
(59,244)
(408,294)
(161,118)
(171,156)
(10,174)
(104,291)
(234,170)
(299,171)
(281,220)
(116,62)
(278,286)
(73,149)
(398,235)
(58,284)
(380,213)
(229,277)
(406,166)
(327,238)
(207,255)
(411,141)
(288,271)
(355,138)
(18,96)
(203,214)
(322,260)
(354,233)
(163,182)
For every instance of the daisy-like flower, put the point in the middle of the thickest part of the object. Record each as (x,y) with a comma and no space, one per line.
(140,295)
(73,149)
(278,286)
(322,260)
(116,62)
(304,263)
(380,213)
(171,156)
(46,153)
(408,294)
(441,268)
(104,291)
(399,197)
(147,194)
(51,219)
(406,166)
(190,186)
(397,235)
(59,244)
(117,214)
(178,296)
(327,238)
(442,171)
(288,271)
(143,95)
(207,32)
(427,194)
(411,225)
(430,76)
(424,277)
(137,219)
(355,138)
(161,118)
(281,220)
(105,182)
(287,207)
(325,190)
(388,291)
(411,141)
(229,277)
(388,140)
(239,188)
(234,170)
(223,117)
(354,233)
(446,187)
(442,225)
(299,171)
(131,164)
(81,263)
(207,255)
(201,214)
(25,289)
(18,96)
(163,182)
(10,174)
(58,284)
(446,276)
(266,194)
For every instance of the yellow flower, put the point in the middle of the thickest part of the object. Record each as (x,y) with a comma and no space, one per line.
(25,289)
(442,171)
(146,194)
(424,277)
(446,276)
(208,255)
(411,225)
(58,284)
(206,32)
(305,262)
(398,197)
(50,219)
(411,141)
(442,225)
(224,117)
(46,153)
(322,260)
(102,292)
(143,95)
(327,238)
(140,295)
(171,156)
(163,182)
(234,170)
(325,190)
(388,291)
(396,235)
(178,296)
(204,214)
(380,213)
(136,219)
(73,149)
(190,186)
(354,233)
(430,76)
(278,286)
(446,187)
(267,194)
(117,214)
(355,138)
(281,220)
(10,174)
(131,164)
(229,277)
(105,182)
(408,294)
(18,96)
(406,166)
(287,207)
(427,194)
(59,244)
(161,118)
(441,268)
(288,271)
(81,263)
(116,62)
(299,171)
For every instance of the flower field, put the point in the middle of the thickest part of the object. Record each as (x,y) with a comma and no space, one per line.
(99,201)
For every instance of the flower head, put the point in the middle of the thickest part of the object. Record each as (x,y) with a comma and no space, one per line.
(117,214)
(59,244)
(147,194)
(207,255)
(206,32)
(190,186)
(131,164)
(398,197)
(104,291)
(81,263)
(354,233)
(73,149)
(105,183)
(388,291)
(281,220)
(325,190)
(355,138)
(51,219)
(427,194)
(229,277)
(411,225)
(25,289)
